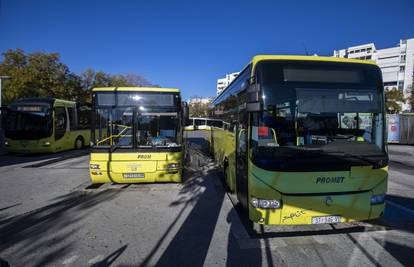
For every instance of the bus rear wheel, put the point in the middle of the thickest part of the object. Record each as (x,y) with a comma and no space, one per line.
(79,143)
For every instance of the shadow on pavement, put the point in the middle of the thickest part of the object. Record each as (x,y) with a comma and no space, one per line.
(403,254)
(47,229)
(111,257)
(193,240)
(396,217)
(14,159)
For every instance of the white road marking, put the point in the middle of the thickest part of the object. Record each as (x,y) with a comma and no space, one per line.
(409,211)
(70,260)
(96,259)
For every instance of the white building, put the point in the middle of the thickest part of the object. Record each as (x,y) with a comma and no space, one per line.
(200,100)
(224,82)
(396,63)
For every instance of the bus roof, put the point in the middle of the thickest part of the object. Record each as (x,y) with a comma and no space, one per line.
(258,58)
(47,100)
(136,89)
(310,58)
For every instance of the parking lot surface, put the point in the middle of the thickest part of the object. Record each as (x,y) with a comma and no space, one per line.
(50,215)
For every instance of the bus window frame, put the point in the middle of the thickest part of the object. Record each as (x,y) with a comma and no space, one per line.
(177,107)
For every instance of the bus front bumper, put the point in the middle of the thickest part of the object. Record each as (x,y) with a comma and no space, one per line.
(98,176)
(305,209)
(29,146)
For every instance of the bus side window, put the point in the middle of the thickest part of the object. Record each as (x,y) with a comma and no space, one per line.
(60,122)
(83,119)
(73,119)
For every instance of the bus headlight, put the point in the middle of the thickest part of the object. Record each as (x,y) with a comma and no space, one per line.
(47,143)
(173,165)
(94,166)
(377,199)
(6,143)
(266,203)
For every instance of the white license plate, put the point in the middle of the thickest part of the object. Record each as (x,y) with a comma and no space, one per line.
(326,219)
(133,175)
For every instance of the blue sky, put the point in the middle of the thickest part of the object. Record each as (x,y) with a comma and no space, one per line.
(190,44)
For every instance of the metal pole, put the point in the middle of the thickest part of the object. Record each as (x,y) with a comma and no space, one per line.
(2,148)
(0,97)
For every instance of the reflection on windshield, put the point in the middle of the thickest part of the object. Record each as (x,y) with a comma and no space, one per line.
(117,128)
(157,130)
(122,124)
(24,125)
(340,120)
(317,101)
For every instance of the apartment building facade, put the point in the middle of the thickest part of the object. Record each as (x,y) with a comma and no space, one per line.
(396,63)
(224,82)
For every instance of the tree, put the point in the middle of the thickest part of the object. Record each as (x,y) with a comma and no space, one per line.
(198,107)
(44,75)
(394,99)
(37,75)
(131,79)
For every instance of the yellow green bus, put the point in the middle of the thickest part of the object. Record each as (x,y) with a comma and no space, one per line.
(46,125)
(137,135)
(303,140)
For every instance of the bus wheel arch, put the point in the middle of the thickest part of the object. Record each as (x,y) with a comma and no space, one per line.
(79,142)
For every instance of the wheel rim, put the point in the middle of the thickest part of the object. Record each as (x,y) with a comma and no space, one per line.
(78,144)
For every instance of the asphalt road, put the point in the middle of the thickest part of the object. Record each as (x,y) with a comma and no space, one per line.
(51,216)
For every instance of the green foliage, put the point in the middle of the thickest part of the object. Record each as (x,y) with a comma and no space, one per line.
(44,75)
(394,99)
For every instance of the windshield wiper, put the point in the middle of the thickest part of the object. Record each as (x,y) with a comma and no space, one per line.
(350,155)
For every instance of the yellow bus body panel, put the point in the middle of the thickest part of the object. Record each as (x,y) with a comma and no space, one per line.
(48,144)
(224,152)
(153,166)
(302,198)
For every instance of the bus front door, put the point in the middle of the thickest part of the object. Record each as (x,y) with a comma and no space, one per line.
(241,162)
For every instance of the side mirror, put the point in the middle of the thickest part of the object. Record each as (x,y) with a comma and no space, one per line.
(253,95)
(186,112)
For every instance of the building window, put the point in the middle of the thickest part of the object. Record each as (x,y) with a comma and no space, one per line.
(403,57)
(401,85)
(402,68)
(389,84)
(368,57)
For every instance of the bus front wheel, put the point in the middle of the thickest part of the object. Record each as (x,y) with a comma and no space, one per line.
(79,143)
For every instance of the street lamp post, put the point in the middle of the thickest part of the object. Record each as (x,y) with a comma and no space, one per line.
(2,150)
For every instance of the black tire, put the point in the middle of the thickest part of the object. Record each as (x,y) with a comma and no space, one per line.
(79,143)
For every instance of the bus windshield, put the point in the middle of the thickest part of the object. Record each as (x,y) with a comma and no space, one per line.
(28,122)
(319,108)
(137,126)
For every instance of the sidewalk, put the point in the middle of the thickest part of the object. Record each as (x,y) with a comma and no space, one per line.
(403,154)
